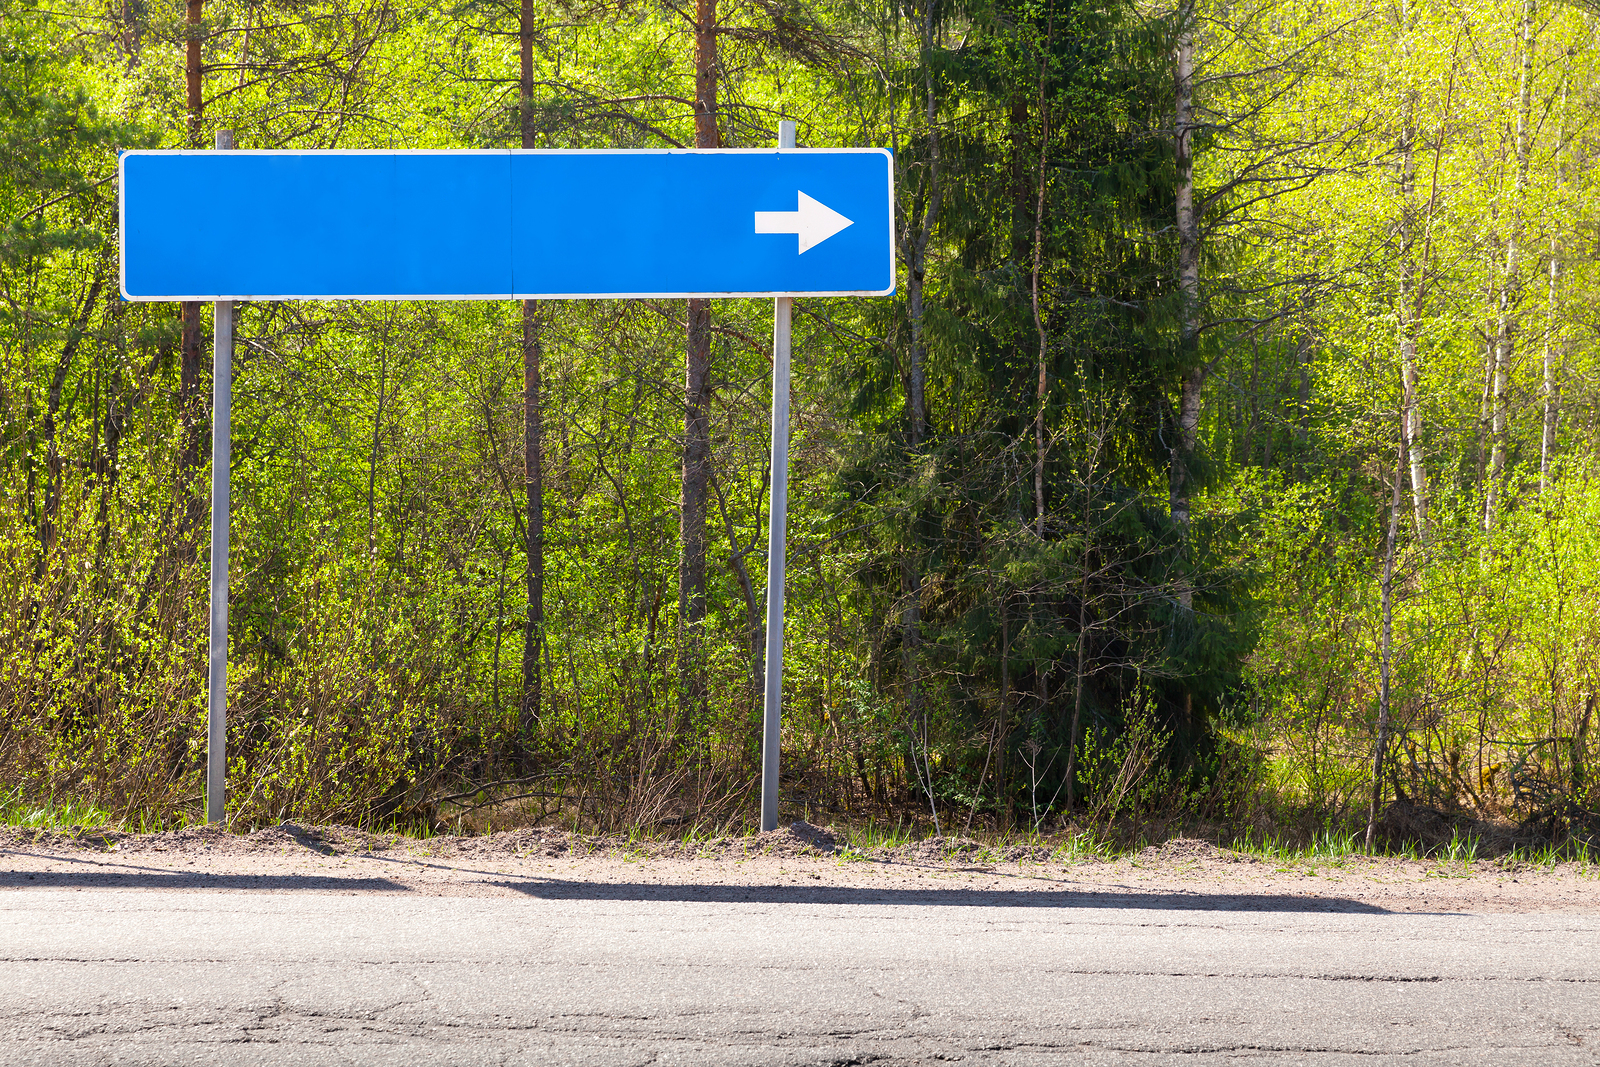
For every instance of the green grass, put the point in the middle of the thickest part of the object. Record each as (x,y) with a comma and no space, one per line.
(879,835)
(1462,850)
(1548,856)
(1331,848)
(420,829)
(1084,846)
(1334,846)
(1269,847)
(1327,848)
(1078,847)
(698,837)
(51,815)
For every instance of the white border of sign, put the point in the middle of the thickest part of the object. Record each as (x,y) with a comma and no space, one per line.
(122,229)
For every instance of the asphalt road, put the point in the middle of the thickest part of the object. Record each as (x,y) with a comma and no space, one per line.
(675,974)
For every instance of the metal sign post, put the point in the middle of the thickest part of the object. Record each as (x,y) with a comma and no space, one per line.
(777,527)
(505,225)
(221,464)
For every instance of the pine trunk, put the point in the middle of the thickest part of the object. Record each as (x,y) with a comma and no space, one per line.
(919,231)
(697,410)
(1021,194)
(191,360)
(1038,319)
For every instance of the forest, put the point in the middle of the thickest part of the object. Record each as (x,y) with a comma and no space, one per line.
(1226,455)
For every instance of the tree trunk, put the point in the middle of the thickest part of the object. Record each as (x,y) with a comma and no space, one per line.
(53,461)
(373,451)
(1409,315)
(193,17)
(533,529)
(919,232)
(1510,287)
(1021,200)
(132,14)
(1081,673)
(1038,318)
(1385,649)
(108,457)
(697,410)
(1181,452)
(1418,285)
(191,362)
(1305,353)
(1554,350)
(532,440)
(1499,390)
(1554,345)
(753,622)
(692,512)
(1003,725)
(190,407)
(706,134)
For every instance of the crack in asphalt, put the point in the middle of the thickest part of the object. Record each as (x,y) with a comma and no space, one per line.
(788,968)
(777,1039)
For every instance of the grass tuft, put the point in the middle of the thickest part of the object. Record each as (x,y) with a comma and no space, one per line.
(69,815)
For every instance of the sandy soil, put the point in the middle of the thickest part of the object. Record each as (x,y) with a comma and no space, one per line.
(798,864)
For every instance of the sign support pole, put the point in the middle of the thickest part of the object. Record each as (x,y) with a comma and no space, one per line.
(221,461)
(777,523)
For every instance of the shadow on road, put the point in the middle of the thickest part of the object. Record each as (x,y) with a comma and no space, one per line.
(114,874)
(149,879)
(556,889)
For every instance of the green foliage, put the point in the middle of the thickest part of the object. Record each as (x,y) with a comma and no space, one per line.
(1123,770)
(54,144)
(995,619)
(1495,655)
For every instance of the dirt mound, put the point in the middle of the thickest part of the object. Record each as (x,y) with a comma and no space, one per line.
(798,839)
(525,842)
(937,849)
(963,850)
(329,840)
(69,839)
(192,839)
(1187,850)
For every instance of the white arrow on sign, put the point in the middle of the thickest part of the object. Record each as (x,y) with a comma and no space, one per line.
(814,223)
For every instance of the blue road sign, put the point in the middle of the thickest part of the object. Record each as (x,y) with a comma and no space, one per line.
(492,225)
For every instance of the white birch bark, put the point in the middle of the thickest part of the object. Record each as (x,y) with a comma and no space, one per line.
(1554,343)
(1505,334)
(1188,225)
(1409,301)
